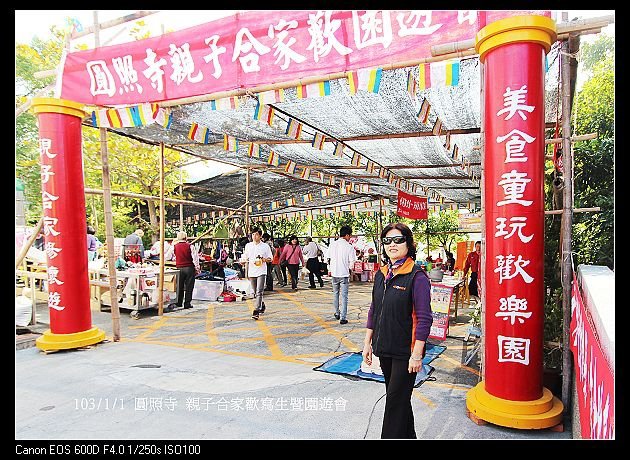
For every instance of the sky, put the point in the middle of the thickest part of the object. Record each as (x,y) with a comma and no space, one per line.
(31,23)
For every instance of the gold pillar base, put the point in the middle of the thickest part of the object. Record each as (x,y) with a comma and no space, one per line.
(49,341)
(544,412)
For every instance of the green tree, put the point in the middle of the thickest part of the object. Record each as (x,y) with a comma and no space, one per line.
(282,228)
(593,233)
(437,226)
(593,237)
(134,167)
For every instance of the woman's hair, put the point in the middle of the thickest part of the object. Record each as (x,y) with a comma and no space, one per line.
(293,237)
(181,236)
(90,230)
(406,231)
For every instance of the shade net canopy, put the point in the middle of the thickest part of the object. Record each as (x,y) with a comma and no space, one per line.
(392,147)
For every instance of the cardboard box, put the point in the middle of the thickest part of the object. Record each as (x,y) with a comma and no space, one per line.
(170,282)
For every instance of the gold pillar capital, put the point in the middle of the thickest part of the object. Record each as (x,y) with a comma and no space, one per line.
(55,105)
(531,28)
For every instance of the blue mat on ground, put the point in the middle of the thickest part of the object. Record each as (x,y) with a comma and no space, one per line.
(350,364)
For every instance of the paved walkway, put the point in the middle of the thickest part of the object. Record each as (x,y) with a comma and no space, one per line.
(212,372)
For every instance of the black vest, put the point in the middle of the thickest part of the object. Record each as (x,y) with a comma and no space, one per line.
(392,315)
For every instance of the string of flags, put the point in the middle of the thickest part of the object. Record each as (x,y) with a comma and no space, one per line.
(130,117)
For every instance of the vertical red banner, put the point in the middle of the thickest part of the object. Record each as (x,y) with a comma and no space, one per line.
(64,221)
(514,218)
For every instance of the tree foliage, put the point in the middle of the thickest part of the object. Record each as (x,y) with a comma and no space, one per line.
(134,166)
(593,169)
(436,225)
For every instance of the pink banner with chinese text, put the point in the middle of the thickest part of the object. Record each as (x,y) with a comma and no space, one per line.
(594,379)
(261,47)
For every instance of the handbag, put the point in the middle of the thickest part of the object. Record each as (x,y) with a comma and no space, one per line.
(285,262)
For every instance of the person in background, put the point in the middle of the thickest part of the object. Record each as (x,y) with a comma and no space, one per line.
(472,264)
(311,252)
(450,261)
(266,238)
(92,243)
(154,252)
(187,261)
(398,325)
(281,272)
(292,253)
(341,257)
(257,255)
(134,239)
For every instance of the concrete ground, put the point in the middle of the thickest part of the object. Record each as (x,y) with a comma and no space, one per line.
(212,372)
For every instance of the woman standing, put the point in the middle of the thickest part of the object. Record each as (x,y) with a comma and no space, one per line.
(187,261)
(398,325)
(92,243)
(292,253)
(281,272)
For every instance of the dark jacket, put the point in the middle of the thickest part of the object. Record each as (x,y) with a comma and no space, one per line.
(394,331)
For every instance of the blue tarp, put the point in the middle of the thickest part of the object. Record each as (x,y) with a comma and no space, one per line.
(350,364)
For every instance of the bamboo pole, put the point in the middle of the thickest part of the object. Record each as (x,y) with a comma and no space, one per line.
(162,224)
(156,198)
(112,23)
(109,221)
(306,80)
(482,260)
(585,26)
(566,222)
(181,205)
(211,229)
(247,202)
(561,211)
(29,242)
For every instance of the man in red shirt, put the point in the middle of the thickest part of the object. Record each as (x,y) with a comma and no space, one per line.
(472,263)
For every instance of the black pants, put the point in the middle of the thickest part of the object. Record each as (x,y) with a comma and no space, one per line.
(398,418)
(313,267)
(269,282)
(472,285)
(293,271)
(185,283)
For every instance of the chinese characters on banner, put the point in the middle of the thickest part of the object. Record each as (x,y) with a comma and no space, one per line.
(514,221)
(411,207)
(594,379)
(260,47)
(64,224)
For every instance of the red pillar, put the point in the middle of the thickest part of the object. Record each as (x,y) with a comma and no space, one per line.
(513,52)
(64,228)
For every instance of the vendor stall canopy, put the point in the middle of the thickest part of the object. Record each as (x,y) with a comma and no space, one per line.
(343,146)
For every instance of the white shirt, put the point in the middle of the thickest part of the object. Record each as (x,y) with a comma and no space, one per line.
(342,256)
(252,250)
(310,250)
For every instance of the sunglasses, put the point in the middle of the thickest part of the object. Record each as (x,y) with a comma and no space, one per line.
(398,239)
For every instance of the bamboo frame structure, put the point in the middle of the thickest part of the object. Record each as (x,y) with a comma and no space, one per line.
(140,196)
(109,220)
(162,224)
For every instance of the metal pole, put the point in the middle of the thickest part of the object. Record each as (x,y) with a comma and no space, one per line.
(567,220)
(109,221)
(162,223)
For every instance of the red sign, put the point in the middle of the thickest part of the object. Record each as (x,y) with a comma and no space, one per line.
(260,47)
(439,327)
(514,220)
(594,379)
(411,207)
